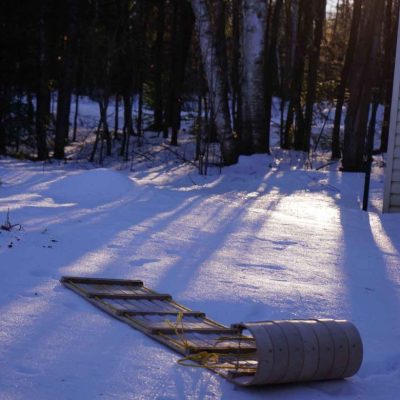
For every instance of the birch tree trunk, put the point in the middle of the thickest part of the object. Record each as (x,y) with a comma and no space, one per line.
(216,80)
(253,132)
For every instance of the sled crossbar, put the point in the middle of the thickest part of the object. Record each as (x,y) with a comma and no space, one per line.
(127,296)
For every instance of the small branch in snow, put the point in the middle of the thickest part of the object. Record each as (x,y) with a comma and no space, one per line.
(180,156)
(192,180)
(324,185)
(147,157)
(8,226)
(327,165)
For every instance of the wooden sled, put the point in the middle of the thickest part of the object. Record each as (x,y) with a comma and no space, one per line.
(275,352)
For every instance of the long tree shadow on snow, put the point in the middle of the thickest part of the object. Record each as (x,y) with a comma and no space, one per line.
(221,232)
(372,290)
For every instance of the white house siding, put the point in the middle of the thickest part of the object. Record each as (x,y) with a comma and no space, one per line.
(391,200)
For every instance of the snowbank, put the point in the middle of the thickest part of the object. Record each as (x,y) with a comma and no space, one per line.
(90,188)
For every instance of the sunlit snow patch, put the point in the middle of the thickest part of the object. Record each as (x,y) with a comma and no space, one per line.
(90,188)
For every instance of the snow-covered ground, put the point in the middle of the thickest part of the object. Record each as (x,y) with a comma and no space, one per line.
(260,241)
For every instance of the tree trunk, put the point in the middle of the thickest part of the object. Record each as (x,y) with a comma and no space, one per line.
(140,60)
(2,137)
(175,61)
(341,90)
(271,66)
(313,62)
(363,79)
(66,81)
(139,119)
(295,23)
(253,138)
(128,123)
(43,92)
(291,28)
(96,142)
(4,100)
(295,110)
(217,85)
(2,140)
(186,23)
(76,113)
(103,103)
(116,116)
(303,43)
(390,26)
(158,78)
(236,103)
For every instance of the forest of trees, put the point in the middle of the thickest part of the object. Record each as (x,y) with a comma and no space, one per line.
(230,57)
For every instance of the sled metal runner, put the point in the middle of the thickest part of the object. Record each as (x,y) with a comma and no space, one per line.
(276,351)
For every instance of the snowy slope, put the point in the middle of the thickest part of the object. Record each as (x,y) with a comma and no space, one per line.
(253,243)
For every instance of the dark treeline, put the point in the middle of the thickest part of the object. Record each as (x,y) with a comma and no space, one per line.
(230,57)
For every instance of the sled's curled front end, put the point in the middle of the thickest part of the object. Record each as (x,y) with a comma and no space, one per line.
(302,350)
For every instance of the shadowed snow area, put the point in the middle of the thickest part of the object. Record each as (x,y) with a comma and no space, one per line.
(254,243)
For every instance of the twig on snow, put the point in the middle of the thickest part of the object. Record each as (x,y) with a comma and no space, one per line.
(180,156)
(8,226)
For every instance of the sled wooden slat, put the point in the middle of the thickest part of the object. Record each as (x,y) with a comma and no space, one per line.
(215,341)
(171,330)
(145,305)
(237,374)
(224,349)
(129,296)
(162,313)
(102,281)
